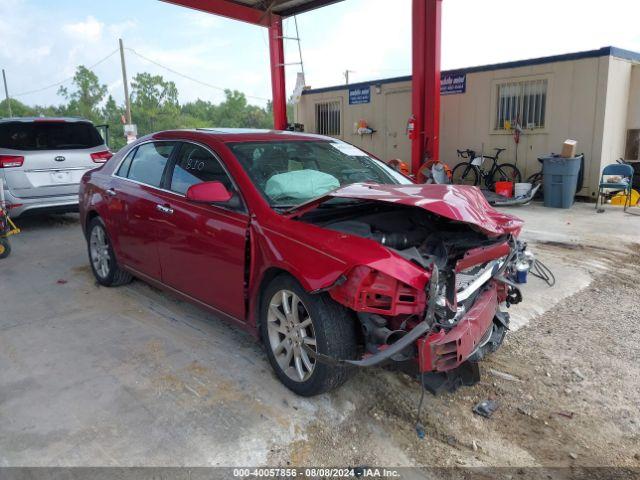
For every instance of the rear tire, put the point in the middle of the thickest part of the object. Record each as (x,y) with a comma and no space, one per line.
(505,172)
(465,174)
(102,258)
(5,248)
(537,179)
(290,317)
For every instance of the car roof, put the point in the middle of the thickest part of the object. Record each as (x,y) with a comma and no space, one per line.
(44,119)
(228,135)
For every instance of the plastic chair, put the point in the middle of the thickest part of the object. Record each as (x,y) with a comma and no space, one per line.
(621,170)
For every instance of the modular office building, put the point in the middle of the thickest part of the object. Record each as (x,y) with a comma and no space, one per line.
(592,97)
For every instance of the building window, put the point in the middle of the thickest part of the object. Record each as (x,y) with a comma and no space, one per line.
(328,118)
(632,150)
(523,103)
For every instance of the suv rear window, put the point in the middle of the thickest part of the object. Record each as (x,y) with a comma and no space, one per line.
(43,135)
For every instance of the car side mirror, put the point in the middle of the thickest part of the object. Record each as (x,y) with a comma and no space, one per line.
(209,192)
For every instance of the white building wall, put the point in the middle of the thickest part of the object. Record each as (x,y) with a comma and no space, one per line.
(587,100)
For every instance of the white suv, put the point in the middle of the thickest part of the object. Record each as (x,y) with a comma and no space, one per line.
(43,159)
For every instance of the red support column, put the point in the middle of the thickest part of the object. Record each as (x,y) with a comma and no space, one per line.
(276,50)
(426,81)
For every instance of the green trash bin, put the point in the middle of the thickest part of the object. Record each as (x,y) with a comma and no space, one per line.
(560,180)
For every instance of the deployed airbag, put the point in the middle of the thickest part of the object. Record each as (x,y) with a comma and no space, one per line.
(300,185)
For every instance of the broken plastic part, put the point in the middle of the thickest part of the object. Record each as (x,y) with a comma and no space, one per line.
(371,291)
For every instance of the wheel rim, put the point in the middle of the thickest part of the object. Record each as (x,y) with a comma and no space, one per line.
(464,175)
(506,173)
(289,327)
(99,249)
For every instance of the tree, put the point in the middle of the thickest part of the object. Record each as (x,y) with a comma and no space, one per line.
(154,103)
(18,109)
(155,107)
(112,115)
(87,97)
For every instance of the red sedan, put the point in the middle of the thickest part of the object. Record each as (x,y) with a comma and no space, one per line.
(331,258)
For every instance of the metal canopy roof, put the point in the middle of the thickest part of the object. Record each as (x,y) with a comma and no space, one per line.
(286,8)
(254,11)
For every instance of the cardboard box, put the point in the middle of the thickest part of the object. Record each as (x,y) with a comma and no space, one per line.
(569,149)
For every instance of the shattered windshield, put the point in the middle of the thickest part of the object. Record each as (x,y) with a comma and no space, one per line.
(290,173)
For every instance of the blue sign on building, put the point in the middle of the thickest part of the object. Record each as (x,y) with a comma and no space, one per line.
(359,95)
(452,83)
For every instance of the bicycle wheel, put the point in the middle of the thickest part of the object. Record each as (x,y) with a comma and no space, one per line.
(505,172)
(536,179)
(465,174)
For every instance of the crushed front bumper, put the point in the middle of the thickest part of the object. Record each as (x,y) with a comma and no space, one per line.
(446,350)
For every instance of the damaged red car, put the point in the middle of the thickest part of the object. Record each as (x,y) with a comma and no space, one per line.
(333,259)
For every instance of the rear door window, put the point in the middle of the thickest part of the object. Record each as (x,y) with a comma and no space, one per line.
(196,165)
(44,135)
(148,163)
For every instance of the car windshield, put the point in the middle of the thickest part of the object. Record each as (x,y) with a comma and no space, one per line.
(291,173)
(49,135)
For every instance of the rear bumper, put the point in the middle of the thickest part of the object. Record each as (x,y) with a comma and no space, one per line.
(446,350)
(23,206)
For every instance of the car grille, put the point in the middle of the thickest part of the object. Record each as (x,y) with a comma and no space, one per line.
(472,278)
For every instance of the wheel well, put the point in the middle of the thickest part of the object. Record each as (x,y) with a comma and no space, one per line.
(269,275)
(267,278)
(90,216)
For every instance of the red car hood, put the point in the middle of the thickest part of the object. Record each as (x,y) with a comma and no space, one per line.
(456,202)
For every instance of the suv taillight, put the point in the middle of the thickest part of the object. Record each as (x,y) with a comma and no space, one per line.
(10,161)
(101,157)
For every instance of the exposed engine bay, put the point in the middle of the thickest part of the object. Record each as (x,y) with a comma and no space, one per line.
(468,270)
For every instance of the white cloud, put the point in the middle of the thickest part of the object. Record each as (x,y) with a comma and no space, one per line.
(363,39)
(88,30)
(117,30)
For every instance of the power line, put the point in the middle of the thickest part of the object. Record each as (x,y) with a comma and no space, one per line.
(58,84)
(175,72)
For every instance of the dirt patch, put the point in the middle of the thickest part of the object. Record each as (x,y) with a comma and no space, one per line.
(568,388)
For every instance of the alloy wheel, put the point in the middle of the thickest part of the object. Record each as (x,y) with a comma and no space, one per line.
(99,249)
(289,326)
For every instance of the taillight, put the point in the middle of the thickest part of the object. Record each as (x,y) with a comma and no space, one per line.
(101,157)
(10,161)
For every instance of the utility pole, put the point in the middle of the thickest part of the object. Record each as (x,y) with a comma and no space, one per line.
(6,93)
(346,75)
(125,82)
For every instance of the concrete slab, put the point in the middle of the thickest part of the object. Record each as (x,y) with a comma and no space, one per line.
(128,376)
(575,244)
(580,225)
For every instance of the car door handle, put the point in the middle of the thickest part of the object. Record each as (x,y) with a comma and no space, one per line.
(111,192)
(165,209)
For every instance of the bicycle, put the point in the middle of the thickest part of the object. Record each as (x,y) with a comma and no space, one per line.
(472,173)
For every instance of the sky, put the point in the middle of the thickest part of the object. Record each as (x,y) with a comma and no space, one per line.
(43,41)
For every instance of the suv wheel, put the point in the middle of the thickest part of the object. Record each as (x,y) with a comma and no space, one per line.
(101,256)
(291,318)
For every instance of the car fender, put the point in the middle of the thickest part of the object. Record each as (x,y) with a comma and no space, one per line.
(322,259)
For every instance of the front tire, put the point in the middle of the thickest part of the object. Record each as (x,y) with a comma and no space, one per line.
(101,257)
(289,318)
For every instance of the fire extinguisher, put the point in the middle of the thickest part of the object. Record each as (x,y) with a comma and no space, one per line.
(411,127)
